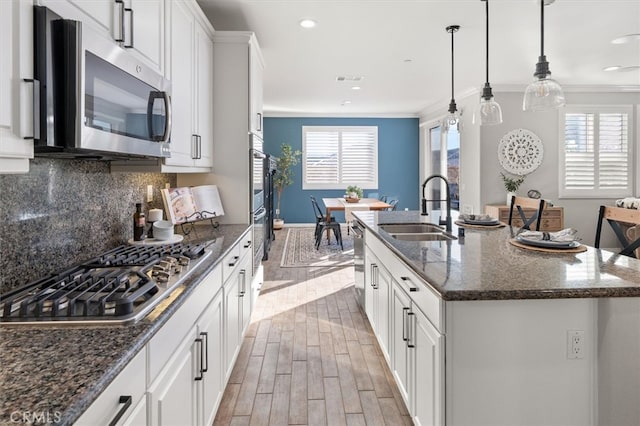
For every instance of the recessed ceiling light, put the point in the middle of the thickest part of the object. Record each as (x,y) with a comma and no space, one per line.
(345,103)
(626,39)
(356,88)
(406,61)
(308,23)
(613,68)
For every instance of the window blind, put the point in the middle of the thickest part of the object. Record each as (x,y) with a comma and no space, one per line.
(336,157)
(596,155)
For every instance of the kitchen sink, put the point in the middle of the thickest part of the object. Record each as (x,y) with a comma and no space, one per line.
(416,232)
(423,236)
(411,228)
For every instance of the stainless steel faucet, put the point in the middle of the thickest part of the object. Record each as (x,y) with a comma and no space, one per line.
(447,221)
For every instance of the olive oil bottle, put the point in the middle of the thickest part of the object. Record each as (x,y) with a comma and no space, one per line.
(138,223)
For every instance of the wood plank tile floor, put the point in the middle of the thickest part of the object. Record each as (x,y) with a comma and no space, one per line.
(309,356)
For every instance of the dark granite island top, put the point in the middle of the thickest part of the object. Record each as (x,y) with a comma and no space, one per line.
(53,373)
(483,265)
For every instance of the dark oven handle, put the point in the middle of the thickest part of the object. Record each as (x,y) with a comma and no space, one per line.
(153,95)
(357,229)
(261,213)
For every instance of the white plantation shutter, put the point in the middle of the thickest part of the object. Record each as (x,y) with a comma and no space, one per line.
(595,156)
(336,157)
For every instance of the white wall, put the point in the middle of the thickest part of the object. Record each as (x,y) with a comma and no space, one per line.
(480,170)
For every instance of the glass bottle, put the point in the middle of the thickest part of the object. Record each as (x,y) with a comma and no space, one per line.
(138,223)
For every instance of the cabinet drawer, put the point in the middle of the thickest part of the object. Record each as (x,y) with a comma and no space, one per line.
(246,244)
(129,383)
(230,262)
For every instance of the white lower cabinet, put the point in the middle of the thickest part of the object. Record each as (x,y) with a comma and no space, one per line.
(377,291)
(190,386)
(417,359)
(237,307)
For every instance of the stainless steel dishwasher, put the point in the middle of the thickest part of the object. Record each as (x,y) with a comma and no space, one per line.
(358,260)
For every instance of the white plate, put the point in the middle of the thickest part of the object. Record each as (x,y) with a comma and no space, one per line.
(548,243)
(176,238)
(482,222)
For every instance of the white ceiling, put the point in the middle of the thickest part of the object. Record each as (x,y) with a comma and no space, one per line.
(373,38)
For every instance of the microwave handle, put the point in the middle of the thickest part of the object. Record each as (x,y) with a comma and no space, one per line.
(167,122)
(120,37)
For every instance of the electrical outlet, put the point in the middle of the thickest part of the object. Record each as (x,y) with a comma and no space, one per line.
(149,193)
(467,209)
(575,344)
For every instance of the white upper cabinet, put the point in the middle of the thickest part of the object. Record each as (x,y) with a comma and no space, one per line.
(16,94)
(256,71)
(191,74)
(136,25)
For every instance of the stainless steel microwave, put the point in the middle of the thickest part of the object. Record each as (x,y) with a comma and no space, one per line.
(95,99)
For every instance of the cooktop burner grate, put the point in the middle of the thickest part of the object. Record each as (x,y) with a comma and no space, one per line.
(121,284)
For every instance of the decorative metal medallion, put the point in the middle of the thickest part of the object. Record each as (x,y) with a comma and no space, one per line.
(520,152)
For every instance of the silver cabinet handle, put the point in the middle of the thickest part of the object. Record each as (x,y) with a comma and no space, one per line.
(410,343)
(374,276)
(120,37)
(404,324)
(408,281)
(259,121)
(199,147)
(194,146)
(130,45)
(201,371)
(206,351)
(243,288)
(235,260)
(36,108)
(126,400)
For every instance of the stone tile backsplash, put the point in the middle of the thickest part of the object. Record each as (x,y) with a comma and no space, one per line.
(66,211)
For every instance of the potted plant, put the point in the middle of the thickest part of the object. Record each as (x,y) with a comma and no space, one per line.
(354,192)
(511,184)
(283,177)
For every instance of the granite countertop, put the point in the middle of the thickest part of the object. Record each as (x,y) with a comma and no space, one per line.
(483,265)
(56,372)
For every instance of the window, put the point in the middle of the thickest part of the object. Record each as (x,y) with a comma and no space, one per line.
(336,157)
(595,155)
(448,166)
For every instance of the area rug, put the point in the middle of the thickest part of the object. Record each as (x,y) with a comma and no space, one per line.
(299,250)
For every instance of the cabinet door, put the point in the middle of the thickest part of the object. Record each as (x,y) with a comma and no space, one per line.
(232,316)
(255,89)
(400,309)
(173,399)
(99,14)
(16,96)
(147,35)
(428,371)
(382,298)
(138,416)
(212,386)
(204,97)
(182,84)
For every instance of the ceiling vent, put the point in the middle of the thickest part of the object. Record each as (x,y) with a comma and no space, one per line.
(349,78)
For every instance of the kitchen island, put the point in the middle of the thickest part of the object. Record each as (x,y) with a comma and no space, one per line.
(51,374)
(478,331)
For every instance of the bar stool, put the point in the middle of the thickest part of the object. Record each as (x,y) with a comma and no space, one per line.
(523,202)
(629,240)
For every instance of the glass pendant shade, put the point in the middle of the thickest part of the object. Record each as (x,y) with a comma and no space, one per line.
(488,113)
(451,121)
(543,94)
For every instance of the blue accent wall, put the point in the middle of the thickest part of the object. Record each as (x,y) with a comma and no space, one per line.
(398,161)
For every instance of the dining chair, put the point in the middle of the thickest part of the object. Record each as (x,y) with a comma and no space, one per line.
(393,203)
(630,218)
(321,218)
(521,203)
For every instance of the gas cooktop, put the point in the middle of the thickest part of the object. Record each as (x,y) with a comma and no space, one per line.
(120,286)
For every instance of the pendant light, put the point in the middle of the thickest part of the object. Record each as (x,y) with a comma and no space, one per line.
(544,93)
(489,111)
(453,118)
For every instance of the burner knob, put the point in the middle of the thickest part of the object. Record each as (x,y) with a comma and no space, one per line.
(162,277)
(183,260)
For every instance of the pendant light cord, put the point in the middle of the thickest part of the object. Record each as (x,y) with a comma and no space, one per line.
(487,38)
(452,31)
(541,27)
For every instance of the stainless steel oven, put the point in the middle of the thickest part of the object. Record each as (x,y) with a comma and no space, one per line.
(258,209)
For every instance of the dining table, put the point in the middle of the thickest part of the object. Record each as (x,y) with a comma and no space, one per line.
(341,204)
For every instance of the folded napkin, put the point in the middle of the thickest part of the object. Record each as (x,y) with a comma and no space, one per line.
(479,217)
(566,235)
(629,203)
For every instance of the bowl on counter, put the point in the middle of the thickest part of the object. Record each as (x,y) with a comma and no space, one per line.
(162,230)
